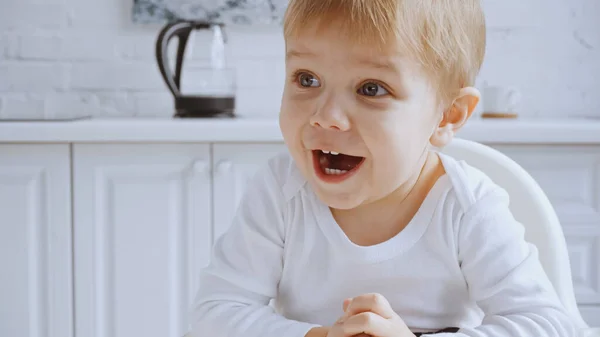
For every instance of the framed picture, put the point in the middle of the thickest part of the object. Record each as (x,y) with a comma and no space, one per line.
(245,12)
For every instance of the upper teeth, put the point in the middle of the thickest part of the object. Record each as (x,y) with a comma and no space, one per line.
(330,152)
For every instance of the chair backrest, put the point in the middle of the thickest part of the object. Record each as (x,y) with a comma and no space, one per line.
(531,207)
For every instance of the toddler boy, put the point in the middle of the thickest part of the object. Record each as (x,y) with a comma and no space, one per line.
(363,228)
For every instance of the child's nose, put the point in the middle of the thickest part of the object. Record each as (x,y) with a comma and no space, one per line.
(337,124)
(330,117)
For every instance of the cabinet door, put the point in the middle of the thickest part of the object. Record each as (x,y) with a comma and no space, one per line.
(142,231)
(234,165)
(35,241)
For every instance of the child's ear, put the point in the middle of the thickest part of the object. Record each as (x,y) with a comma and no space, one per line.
(456,116)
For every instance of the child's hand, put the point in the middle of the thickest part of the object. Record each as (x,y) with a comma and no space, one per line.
(369,315)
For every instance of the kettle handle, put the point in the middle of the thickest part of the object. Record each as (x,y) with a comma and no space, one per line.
(181,29)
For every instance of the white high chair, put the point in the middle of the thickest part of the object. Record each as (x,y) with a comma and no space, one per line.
(531,207)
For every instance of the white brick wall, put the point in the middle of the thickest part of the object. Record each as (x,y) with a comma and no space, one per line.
(60,57)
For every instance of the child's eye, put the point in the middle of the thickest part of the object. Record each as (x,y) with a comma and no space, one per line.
(372,89)
(307,80)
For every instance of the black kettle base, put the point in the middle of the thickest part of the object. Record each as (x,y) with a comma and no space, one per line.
(204,107)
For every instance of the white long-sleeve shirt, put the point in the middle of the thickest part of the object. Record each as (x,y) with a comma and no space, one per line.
(462,262)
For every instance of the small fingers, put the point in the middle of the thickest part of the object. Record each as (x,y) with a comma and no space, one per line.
(374,303)
(366,323)
(344,308)
(346,304)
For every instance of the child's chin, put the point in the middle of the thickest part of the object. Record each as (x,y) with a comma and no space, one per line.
(338,199)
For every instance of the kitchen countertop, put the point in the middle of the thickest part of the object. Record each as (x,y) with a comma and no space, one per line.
(525,131)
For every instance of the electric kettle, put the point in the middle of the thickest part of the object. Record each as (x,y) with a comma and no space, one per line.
(209,102)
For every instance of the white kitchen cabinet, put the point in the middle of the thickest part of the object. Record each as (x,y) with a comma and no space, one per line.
(35,241)
(142,231)
(234,164)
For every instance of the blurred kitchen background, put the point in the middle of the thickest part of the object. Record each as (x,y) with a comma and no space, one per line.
(106,221)
(97,57)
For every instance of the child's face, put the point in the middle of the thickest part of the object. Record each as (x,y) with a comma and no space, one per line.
(376,107)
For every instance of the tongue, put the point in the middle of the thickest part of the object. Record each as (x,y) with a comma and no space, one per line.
(339,162)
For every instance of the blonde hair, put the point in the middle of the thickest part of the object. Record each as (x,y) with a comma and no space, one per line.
(447,37)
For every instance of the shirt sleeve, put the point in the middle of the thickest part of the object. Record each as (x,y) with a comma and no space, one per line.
(505,277)
(245,269)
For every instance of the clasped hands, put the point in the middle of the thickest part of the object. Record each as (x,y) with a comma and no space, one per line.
(369,315)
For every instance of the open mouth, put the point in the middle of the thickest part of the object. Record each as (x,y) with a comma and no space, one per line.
(334,166)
